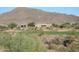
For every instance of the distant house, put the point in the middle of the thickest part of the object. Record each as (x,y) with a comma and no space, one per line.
(22,26)
(42,25)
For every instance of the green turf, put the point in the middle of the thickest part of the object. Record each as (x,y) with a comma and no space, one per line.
(62,33)
(54,33)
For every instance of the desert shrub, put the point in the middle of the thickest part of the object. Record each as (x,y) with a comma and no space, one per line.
(26,43)
(3,27)
(32,24)
(12,25)
(55,25)
(69,45)
(68,40)
(5,39)
(74,47)
(61,26)
(21,42)
(65,25)
(76,27)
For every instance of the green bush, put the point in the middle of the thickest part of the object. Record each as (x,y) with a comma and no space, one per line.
(12,25)
(32,24)
(21,42)
(5,39)
(3,27)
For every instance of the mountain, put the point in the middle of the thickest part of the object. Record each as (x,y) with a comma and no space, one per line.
(24,15)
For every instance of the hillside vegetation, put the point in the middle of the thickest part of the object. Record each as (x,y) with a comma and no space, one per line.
(33,41)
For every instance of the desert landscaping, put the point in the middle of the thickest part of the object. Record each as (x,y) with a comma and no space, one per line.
(32,30)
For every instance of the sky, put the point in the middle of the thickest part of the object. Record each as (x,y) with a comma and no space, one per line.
(64,10)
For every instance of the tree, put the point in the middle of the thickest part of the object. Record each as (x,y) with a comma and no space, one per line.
(75,25)
(12,25)
(54,25)
(65,25)
(3,27)
(32,24)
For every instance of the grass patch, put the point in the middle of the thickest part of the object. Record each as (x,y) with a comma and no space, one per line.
(21,42)
(56,33)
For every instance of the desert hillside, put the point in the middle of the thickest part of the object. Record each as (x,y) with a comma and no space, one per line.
(24,15)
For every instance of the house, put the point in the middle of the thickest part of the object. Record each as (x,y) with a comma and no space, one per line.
(42,25)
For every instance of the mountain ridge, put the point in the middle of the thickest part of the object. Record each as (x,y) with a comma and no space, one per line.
(24,15)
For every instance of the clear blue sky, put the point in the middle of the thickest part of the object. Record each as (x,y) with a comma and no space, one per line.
(66,10)
(5,9)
